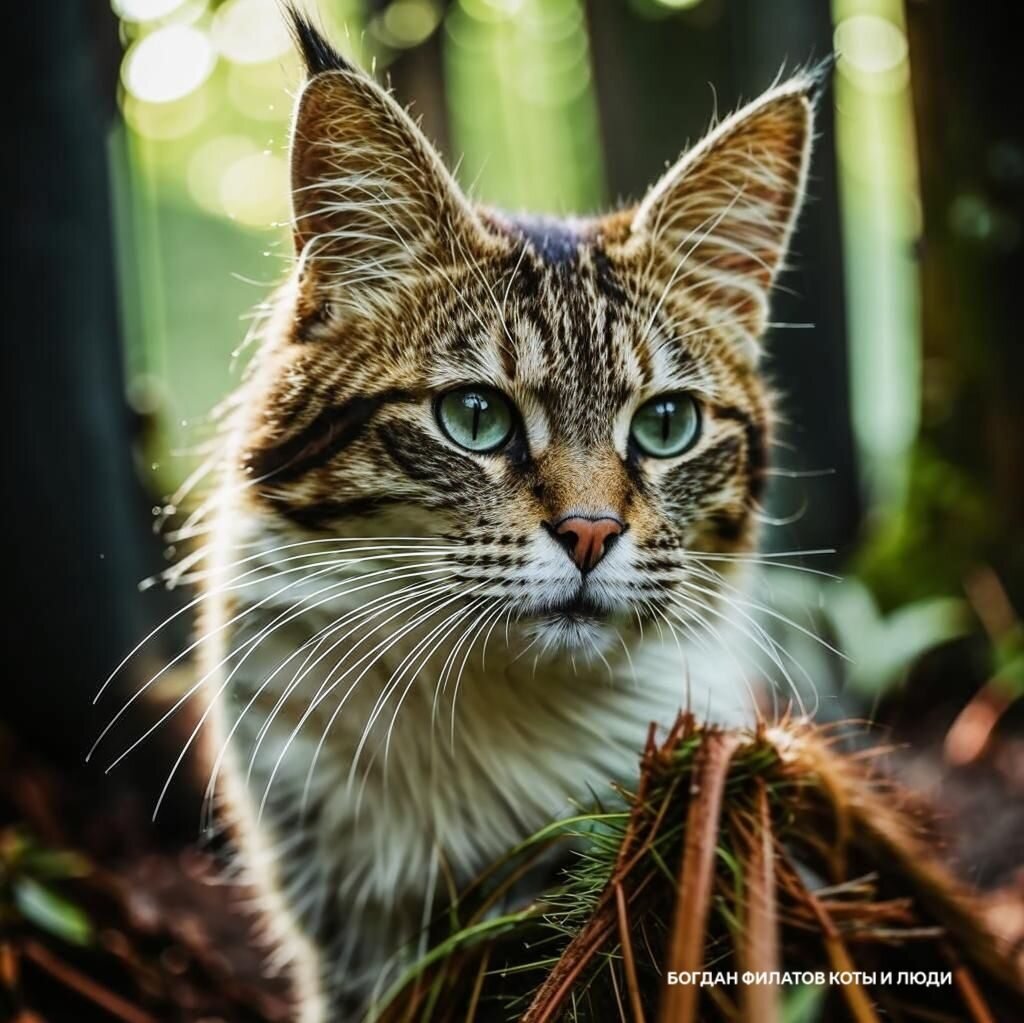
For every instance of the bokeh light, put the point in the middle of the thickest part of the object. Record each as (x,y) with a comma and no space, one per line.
(145,10)
(522,102)
(254,189)
(882,219)
(166,121)
(408,23)
(168,64)
(493,10)
(207,165)
(250,31)
(262,92)
(870,43)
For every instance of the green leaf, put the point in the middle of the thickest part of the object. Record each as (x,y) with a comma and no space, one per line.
(803,1004)
(51,912)
(46,863)
(882,648)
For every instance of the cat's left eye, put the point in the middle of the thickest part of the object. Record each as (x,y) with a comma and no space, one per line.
(666,426)
(476,417)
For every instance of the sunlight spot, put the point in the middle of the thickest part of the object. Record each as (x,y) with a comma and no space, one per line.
(250,31)
(870,44)
(144,10)
(207,166)
(263,91)
(409,22)
(168,64)
(166,121)
(678,5)
(492,10)
(254,190)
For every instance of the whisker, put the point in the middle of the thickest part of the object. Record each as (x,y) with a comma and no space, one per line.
(326,567)
(764,609)
(490,614)
(765,563)
(367,612)
(329,683)
(283,618)
(227,681)
(695,608)
(762,640)
(405,666)
(218,590)
(413,672)
(382,699)
(378,650)
(308,667)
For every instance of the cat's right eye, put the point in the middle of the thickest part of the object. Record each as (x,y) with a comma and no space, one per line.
(476,417)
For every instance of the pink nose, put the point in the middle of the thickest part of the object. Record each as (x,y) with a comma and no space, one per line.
(586,540)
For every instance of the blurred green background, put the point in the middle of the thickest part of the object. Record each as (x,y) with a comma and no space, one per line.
(152,223)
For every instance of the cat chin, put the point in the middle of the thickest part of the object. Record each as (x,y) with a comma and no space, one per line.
(570,633)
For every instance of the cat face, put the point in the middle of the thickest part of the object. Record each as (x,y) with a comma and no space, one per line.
(574,406)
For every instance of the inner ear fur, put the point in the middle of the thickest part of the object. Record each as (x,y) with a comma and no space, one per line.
(716,227)
(370,196)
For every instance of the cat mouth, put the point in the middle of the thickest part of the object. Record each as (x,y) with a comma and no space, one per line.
(579,609)
(572,625)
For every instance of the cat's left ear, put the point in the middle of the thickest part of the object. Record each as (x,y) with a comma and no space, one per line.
(371,198)
(714,230)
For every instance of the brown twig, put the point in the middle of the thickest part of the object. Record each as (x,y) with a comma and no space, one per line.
(478,986)
(628,960)
(841,961)
(686,942)
(760,952)
(969,992)
(83,985)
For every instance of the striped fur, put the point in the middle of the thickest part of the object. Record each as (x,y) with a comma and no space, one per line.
(370,747)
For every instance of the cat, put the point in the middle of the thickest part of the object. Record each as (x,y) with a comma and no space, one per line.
(490,487)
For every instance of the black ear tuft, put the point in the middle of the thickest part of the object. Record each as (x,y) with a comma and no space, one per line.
(316,51)
(820,75)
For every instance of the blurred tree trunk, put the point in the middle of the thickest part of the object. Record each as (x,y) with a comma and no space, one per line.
(417,76)
(75,538)
(967,502)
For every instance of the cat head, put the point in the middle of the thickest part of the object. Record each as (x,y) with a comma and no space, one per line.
(574,405)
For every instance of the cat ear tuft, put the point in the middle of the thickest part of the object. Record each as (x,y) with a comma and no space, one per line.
(318,54)
(371,198)
(715,229)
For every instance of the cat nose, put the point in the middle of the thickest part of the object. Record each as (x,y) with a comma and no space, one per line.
(585,540)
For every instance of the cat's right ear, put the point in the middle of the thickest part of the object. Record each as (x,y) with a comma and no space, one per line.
(371,198)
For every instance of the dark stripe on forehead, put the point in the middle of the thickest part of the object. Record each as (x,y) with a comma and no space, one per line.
(332,430)
(605,276)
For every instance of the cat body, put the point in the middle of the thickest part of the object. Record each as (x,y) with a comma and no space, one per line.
(488,491)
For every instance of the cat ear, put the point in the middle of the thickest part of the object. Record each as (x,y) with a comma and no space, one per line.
(715,228)
(370,195)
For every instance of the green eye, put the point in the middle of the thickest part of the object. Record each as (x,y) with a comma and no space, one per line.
(666,426)
(476,418)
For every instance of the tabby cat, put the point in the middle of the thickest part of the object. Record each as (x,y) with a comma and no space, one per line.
(490,485)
